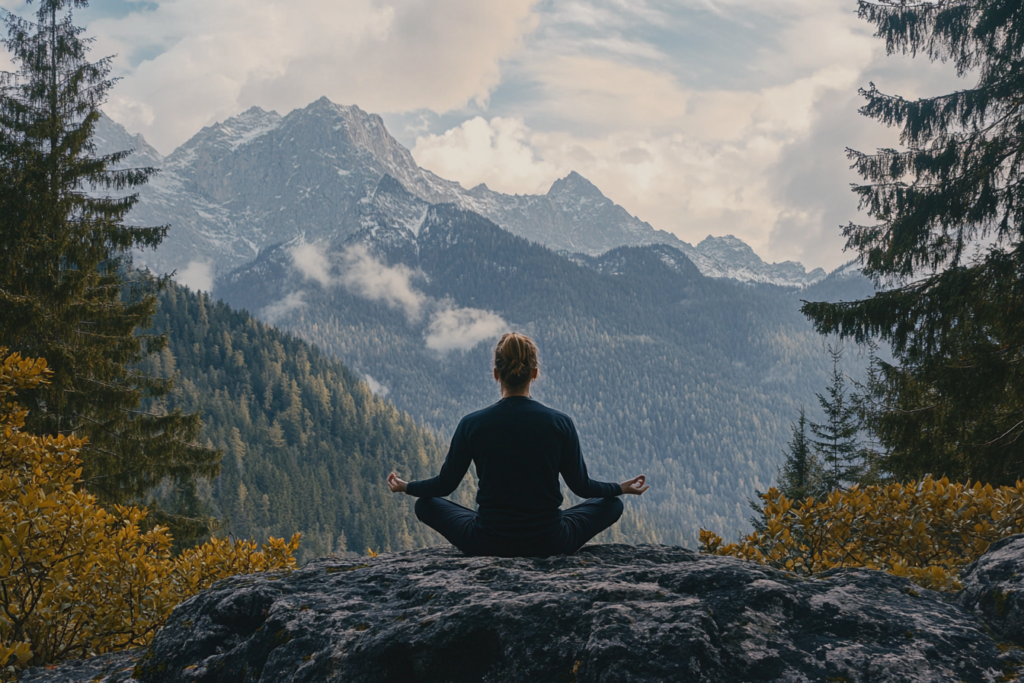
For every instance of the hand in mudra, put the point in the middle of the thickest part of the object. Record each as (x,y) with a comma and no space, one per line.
(395,484)
(636,485)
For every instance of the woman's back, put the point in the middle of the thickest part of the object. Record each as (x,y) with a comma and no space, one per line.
(519,447)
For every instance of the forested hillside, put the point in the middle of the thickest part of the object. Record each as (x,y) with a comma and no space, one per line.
(689,379)
(306,445)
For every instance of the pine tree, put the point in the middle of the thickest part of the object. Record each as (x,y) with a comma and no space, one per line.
(947,241)
(870,414)
(67,290)
(801,472)
(836,441)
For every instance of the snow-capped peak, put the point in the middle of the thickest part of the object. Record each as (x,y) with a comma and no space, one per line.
(734,258)
(227,136)
(849,269)
(249,125)
(576,185)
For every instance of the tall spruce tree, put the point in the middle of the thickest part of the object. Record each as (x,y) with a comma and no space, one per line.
(801,473)
(66,288)
(799,477)
(947,240)
(867,397)
(836,439)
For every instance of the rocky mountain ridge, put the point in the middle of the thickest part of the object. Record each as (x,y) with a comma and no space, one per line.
(635,614)
(259,178)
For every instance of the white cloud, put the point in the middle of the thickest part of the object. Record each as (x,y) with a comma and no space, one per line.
(197,275)
(359,272)
(5,61)
(366,276)
(279,310)
(595,95)
(762,159)
(216,59)
(460,329)
(312,262)
(496,152)
(450,328)
(376,387)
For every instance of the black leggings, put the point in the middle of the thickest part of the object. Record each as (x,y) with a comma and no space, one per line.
(461,527)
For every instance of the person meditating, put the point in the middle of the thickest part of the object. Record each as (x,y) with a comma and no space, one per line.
(519,446)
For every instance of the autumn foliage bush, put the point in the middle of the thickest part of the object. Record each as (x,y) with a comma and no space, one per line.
(76,579)
(926,531)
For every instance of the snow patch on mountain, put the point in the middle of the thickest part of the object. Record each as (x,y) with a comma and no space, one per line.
(250,125)
(224,137)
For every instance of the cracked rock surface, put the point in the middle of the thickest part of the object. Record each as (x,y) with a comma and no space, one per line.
(612,613)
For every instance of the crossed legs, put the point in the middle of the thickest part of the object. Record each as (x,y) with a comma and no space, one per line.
(580,523)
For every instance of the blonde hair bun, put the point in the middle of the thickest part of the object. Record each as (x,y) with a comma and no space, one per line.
(515,357)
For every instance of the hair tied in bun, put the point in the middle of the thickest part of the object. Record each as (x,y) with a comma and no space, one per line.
(515,357)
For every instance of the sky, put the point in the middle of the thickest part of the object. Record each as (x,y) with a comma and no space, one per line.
(701,117)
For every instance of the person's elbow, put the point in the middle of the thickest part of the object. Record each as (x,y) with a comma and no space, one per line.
(445,488)
(586,491)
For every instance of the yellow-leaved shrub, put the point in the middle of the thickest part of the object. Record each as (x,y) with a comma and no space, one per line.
(76,579)
(926,531)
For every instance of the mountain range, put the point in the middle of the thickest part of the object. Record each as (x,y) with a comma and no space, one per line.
(685,363)
(256,179)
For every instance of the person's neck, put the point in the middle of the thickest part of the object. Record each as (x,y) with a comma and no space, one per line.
(509,393)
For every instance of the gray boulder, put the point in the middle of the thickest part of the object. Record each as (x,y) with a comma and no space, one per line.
(994,588)
(609,613)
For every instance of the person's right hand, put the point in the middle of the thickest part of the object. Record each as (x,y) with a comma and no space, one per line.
(395,484)
(636,485)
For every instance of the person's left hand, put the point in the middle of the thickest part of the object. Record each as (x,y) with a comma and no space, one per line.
(395,484)
(636,485)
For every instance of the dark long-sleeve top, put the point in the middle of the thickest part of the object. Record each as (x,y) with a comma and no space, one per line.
(519,446)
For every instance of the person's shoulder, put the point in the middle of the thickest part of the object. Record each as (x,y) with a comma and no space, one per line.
(557,416)
(476,416)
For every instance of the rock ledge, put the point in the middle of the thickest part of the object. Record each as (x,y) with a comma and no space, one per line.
(609,613)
